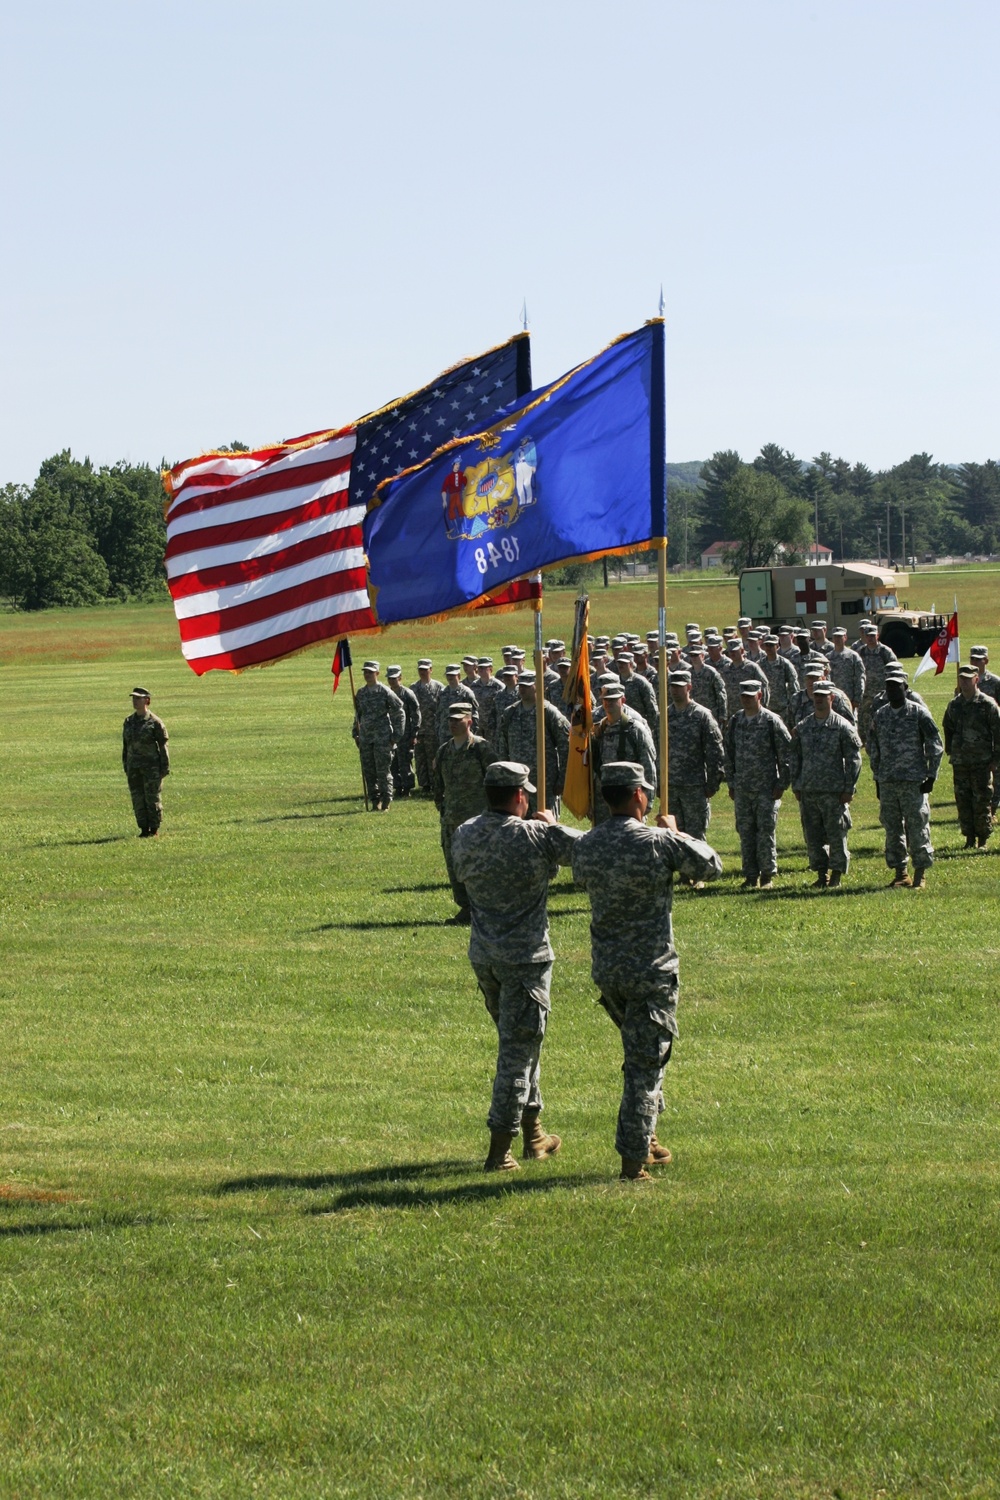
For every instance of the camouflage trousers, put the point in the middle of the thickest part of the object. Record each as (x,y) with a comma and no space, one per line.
(826,822)
(645,1021)
(905,814)
(402,768)
(144,789)
(756,824)
(424,753)
(865,718)
(448,826)
(690,807)
(973,798)
(517,997)
(376,767)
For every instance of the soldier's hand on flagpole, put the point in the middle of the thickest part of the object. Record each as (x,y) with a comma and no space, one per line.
(667,820)
(544,815)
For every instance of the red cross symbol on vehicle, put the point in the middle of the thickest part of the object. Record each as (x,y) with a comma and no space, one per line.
(810,595)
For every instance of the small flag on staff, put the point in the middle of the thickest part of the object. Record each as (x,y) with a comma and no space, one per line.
(943,649)
(341,659)
(578,790)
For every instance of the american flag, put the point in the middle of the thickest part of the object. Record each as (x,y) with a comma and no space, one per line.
(265,552)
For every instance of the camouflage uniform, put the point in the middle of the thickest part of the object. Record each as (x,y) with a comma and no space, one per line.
(696,763)
(847,672)
(825,763)
(801,706)
(756,763)
(629,739)
(972,744)
(642,700)
(627,870)
(874,659)
(733,675)
(794,655)
(556,697)
(989,683)
(904,750)
(516,741)
(449,696)
(708,688)
(145,761)
(507,699)
(459,795)
(427,695)
(402,760)
(784,684)
(882,698)
(379,722)
(506,863)
(488,696)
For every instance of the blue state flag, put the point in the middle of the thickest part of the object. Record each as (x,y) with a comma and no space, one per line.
(577,470)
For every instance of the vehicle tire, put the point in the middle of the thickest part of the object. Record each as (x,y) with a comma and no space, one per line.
(900,638)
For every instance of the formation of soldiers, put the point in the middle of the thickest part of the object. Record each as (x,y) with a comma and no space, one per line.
(758,711)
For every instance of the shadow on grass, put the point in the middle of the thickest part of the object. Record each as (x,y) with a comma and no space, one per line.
(110,838)
(67,1226)
(412,1185)
(419,890)
(498,1185)
(402,924)
(312,817)
(309,1182)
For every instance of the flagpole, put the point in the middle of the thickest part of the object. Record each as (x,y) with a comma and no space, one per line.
(661,584)
(958,664)
(354,700)
(539,703)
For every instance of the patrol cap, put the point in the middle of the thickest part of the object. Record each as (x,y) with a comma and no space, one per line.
(785,630)
(557,645)
(140,693)
(750,685)
(460,711)
(605,679)
(867,628)
(771,640)
(484,661)
(508,671)
(371,666)
(978,651)
(625,656)
(968,672)
(518,654)
(618,640)
(469,661)
(744,621)
(512,773)
(734,644)
(696,648)
(824,689)
(816,671)
(394,671)
(678,679)
(506,650)
(624,773)
(639,648)
(424,664)
(818,625)
(526,679)
(453,668)
(894,672)
(841,631)
(564,664)
(612,690)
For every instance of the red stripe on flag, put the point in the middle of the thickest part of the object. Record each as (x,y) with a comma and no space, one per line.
(223,620)
(207,580)
(277,646)
(255,526)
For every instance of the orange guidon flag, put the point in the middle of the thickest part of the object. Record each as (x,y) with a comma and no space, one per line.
(578,791)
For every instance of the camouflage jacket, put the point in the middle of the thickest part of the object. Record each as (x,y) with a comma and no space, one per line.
(506,699)
(989,684)
(825,756)
(516,741)
(708,687)
(144,744)
(794,655)
(904,744)
(875,659)
(972,731)
(847,671)
(446,700)
(458,778)
(427,695)
(505,864)
(379,714)
(733,675)
(695,753)
(802,706)
(756,752)
(488,696)
(882,698)
(627,870)
(629,739)
(411,707)
(783,682)
(640,697)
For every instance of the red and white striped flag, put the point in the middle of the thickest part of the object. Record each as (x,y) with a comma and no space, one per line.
(944,648)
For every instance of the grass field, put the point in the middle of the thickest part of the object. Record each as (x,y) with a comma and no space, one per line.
(245,1244)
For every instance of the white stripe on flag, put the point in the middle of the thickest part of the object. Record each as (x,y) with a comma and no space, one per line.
(262,546)
(275,503)
(271,583)
(293,619)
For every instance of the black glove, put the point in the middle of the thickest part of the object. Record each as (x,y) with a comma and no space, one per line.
(928,785)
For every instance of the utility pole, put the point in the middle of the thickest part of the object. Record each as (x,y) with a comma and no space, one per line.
(888,537)
(902,522)
(878,533)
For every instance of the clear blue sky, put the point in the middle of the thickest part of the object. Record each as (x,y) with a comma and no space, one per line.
(251,220)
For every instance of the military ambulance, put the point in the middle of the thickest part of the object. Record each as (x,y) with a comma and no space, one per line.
(839,594)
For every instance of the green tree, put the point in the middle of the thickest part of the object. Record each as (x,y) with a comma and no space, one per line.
(783,465)
(716,473)
(761,516)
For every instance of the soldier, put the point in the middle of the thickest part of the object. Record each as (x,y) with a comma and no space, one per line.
(488,690)
(506,862)
(427,690)
(627,871)
(904,751)
(744,625)
(782,680)
(847,670)
(619,734)
(875,657)
(509,696)
(818,641)
(695,758)
(788,648)
(459,775)
(825,763)
(557,695)
(989,684)
(644,667)
(896,671)
(801,705)
(737,669)
(402,760)
(638,694)
(471,678)
(708,686)
(516,740)
(757,772)
(145,761)
(454,692)
(716,654)
(379,723)
(551,683)
(755,652)
(972,744)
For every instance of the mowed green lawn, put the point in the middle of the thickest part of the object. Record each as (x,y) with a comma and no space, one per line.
(246,1246)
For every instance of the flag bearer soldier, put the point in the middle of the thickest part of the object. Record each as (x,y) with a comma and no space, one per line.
(638,694)
(145,761)
(459,774)
(517,740)
(628,871)
(825,762)
(847,670)
(505,860)
(972,744)
(757,772)
(695,758)
(454,691)
(379,724)
(488,690)
(402,760)
(620,734)
(782,679)
(428,690)
(904,751)
(875,657)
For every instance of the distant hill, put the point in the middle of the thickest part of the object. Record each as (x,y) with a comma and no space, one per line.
(680,475)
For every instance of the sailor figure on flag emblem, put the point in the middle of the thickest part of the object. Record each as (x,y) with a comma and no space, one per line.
(490,495)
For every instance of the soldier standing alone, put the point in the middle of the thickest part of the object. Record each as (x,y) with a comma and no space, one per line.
(145,761)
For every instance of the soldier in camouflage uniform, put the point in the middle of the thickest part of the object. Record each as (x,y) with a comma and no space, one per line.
(489,690)
(972,744)
(801,705)
(788,649)
(506,861)
(757,772)
(904,751)
(638,694)
(628,871)
(145,761)
(402,760)
(454,692)
(817,639)
(708,687)
(471,678)
(695,758)
(516,740)
(619,734)
(847,670)
(875,657)
(825,763)
(557,695)
(782,679)
(379,723)
(989,684)
(736,668)
(644,666)
(427,690)
(460,768)
(896,671)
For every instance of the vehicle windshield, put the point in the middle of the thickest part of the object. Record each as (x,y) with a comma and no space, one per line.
(887,601)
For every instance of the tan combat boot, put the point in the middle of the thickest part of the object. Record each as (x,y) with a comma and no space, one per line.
(899,878)
(536,1143)
(657,1154)
(821,881)
(835,877)
(633,1171)
(919,880)
(500,1159)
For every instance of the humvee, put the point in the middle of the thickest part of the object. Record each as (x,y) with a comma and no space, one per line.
(839,594)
